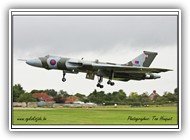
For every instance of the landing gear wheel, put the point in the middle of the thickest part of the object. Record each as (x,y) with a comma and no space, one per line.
(99,85)
(110,83)
(63,79)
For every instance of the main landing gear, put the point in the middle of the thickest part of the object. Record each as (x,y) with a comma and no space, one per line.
(109,81)
(110,78)
(64,79)
(99,82)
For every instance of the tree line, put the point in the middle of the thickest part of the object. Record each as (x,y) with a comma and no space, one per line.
(99,97)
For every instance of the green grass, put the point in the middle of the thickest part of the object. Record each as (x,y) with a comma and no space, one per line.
(97,115)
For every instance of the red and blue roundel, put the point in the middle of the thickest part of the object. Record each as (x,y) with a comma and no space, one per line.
(52,62)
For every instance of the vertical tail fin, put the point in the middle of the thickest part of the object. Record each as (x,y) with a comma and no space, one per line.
(143,60)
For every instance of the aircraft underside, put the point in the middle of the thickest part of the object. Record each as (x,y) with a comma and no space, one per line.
(110,75)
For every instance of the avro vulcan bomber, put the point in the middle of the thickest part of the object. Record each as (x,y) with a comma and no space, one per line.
(136,69)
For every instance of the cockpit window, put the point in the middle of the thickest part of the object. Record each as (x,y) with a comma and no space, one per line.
(48,56)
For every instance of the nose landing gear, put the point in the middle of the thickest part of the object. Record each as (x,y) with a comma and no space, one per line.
(64,79)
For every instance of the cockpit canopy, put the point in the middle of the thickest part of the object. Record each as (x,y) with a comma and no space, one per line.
(48,56)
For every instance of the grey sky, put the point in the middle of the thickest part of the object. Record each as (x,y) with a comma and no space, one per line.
(107,38)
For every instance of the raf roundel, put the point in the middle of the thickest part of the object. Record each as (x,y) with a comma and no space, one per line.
(52,62)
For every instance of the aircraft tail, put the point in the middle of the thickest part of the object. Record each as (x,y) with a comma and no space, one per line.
(143,60)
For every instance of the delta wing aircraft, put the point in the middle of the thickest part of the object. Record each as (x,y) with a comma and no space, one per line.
(136,69)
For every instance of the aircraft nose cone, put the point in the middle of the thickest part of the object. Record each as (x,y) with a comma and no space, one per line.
(34,62)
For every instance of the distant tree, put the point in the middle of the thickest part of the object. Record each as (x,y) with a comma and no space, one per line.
(144,99)
(17,91)
(97,97)
(37,91)
(26,97)
(176,91)
(63,93)
(81,97)
(122,96)
(92,97)
(161,100)
(51,92)
(176,94)
(115,97)
(118,97)
(171,98)
(109,99)
(134,99)
(59,98)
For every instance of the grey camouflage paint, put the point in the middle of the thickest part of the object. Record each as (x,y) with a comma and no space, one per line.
(145,59)
(121,72)
(60,62)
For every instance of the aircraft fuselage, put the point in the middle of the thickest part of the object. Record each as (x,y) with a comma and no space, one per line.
(137,69)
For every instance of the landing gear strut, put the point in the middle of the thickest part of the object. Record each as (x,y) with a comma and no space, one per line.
(64,79)
(110,78)
(99,82)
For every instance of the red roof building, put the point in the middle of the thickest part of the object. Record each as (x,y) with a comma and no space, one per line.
(43,97)
(153,95)
(71,99)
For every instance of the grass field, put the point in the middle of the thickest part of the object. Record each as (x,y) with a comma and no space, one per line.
(96,115)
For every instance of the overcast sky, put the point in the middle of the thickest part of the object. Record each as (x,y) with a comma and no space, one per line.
(115,39)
